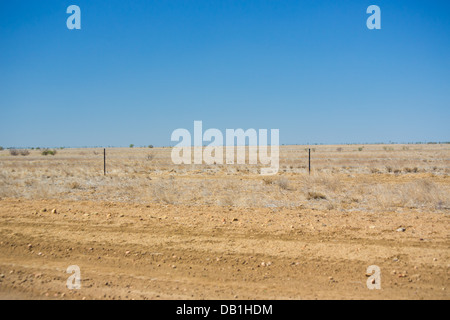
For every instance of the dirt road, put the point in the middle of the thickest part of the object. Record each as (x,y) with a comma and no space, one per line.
(128,251)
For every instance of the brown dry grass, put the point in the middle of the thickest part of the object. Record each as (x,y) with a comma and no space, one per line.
(377,178)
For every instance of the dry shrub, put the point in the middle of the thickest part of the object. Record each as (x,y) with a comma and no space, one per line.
(74,185)
(16,152)
(315,196)
(283,183)
(268,180)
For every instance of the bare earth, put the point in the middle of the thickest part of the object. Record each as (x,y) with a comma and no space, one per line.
(154,249)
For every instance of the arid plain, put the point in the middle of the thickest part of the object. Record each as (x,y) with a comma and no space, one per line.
(150,229)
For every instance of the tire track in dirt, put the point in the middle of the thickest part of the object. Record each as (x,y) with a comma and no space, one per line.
(163,252)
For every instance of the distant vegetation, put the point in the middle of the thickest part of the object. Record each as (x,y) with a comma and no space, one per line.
(47,152)
(1,149)
(15,152)
(131,145)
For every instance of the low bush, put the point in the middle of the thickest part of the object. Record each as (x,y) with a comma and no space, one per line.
(316,196)
(47,152)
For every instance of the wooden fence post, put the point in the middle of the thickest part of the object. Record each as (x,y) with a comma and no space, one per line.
(104,161)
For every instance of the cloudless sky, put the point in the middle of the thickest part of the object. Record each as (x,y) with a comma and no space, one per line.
(138,70)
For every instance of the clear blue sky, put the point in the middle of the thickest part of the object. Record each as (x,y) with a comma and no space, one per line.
(137,70)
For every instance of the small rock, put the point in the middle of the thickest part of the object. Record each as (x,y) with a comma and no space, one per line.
(54,211)
(401,230)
